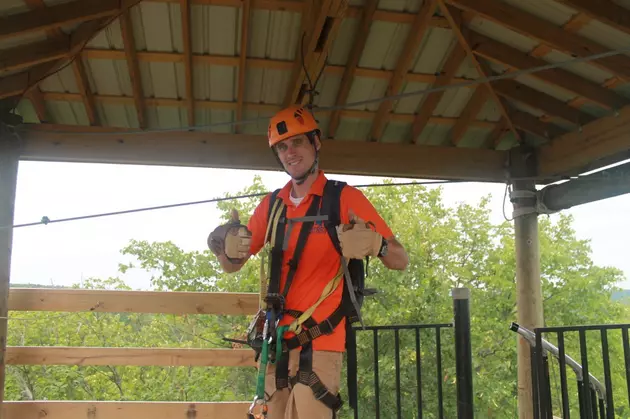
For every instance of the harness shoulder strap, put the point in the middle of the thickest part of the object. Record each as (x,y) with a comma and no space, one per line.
(331,205)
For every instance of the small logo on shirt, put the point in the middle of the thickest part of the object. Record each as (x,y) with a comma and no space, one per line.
(318,227)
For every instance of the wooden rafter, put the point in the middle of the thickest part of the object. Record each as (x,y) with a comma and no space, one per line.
(43,19)
(529,123)
(452,64)
(353,62)
(551,106)
(254,107)
(494,139)
(545,32)
(130,55)
(86,92)
(462,35)
(603,10)
(469,114)
(25,56)
(418,29)
(515,59)
(319,28)
(242,64)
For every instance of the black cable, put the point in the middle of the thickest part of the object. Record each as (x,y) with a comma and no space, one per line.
(45,220)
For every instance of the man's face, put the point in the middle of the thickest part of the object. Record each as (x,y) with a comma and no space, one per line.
(297,154)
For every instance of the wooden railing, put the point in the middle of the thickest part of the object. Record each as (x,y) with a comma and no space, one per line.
(105,301)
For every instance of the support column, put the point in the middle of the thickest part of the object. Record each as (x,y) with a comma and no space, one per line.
(9,158)
(528,283)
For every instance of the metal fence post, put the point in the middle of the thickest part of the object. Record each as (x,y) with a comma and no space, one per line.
(463,353)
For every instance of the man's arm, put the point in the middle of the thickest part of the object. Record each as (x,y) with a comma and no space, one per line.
(396,257)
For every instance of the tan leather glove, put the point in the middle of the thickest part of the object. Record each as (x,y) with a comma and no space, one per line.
(232,240)
(359,239)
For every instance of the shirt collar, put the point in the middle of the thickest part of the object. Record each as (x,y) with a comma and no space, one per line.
(317,188)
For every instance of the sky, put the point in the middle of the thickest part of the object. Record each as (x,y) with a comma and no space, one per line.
(66,253)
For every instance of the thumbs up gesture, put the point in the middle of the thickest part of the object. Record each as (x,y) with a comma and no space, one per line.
(358,238)
(231,239)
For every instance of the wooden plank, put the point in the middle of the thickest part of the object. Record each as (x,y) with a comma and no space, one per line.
(37,100)
(113,301)
(145,357)
(601,139)
(511,57)
(123,410)
(353,61)
(198,149)
(605,11)
(55,16)
(418,29)
(546,32)
(536,99)
(130,55)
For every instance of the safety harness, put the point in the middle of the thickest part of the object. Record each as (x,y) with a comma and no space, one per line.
(265,336)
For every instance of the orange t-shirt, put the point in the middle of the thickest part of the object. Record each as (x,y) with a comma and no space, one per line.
(320,261)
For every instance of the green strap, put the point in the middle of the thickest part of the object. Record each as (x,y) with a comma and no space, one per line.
(260,385)
(279,337)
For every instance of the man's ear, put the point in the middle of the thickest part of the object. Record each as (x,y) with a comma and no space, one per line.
(318,143)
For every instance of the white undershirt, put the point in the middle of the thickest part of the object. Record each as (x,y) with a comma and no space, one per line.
(296,201)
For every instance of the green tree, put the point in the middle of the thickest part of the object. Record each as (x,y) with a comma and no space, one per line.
(448,248)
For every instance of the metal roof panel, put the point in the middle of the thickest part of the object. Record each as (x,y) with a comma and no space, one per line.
(364,88)
(453,102)
(433,51)
(109,77)
(211,82)
(61,82)
(344,42)
(583,69)
(502,34)
(551,11)
(474,137)
(213,30)
(266,85)
(434,134)
(274,34)
(384,45)
(357,129)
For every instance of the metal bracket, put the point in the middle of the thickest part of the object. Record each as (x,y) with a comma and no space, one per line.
(537,208)
(192,412)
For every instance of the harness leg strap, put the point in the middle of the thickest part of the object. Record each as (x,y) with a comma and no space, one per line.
(307,377)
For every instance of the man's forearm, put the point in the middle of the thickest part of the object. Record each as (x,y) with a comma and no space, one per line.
(396,257)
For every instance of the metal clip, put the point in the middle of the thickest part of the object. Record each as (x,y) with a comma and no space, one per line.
(192,412)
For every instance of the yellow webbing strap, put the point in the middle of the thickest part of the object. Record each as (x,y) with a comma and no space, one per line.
(272,225)
(296,325)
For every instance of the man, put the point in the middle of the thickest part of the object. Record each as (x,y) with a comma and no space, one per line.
(294,138)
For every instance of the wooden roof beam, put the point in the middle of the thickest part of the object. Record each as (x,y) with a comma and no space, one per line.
(603,10)
(503,54)
(242,64)
(452,64)
(319,28)
(462,34)
(529,123)
(200,149)
(550,105)
(86,92)
(418,29)
(131,57)
(353,61)
(546,32)
(43,19)
(598,140)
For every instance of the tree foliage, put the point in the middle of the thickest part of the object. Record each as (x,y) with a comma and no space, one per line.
(448,248)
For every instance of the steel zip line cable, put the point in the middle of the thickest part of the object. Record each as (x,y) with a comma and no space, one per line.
(45,220)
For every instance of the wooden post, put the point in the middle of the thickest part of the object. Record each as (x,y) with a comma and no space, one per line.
(528,283)
(9,158)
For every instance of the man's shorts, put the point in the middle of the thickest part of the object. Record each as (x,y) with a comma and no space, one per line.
(299,402)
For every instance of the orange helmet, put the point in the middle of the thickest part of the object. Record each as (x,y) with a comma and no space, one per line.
(294,120)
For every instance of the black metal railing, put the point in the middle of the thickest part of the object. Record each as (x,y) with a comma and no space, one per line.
(589,398)
(403,383)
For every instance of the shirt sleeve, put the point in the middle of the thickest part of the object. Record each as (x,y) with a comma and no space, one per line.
(258,225)
(353,198)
